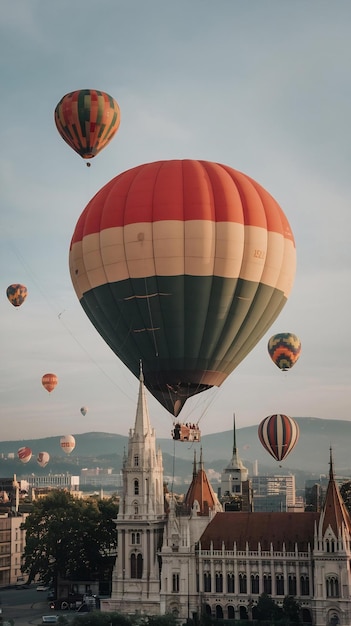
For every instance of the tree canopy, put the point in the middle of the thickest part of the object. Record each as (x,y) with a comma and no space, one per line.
(69,538)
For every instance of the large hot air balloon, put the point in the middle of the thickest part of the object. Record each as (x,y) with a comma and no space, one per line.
(43,458)
(68,443)
(87,120)
(284,350)
(182,265)
(24,454)
(279,435)
(16,294)
(49,381)
(84,410)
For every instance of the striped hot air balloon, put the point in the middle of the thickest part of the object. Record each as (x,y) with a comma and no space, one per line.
(279,435)
(87,120)
(24,454)
(182,265)
(284,350)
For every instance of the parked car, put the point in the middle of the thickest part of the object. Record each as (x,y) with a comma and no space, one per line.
(43,588)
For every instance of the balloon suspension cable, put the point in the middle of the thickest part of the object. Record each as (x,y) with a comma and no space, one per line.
(150,316)
(173,468)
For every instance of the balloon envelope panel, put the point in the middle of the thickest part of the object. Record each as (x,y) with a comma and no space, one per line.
(183,265)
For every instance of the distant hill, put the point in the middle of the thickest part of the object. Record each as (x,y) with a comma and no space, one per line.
(96,449)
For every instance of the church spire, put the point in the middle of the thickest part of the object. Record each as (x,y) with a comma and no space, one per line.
(234,437)
(331,465)
(334,512)
(142,420)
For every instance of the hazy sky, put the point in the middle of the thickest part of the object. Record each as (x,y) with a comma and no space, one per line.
(262,86)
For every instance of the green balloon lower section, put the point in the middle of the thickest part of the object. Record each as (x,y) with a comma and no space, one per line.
(189,332)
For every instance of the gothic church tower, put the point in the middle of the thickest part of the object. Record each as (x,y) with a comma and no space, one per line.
(140,521)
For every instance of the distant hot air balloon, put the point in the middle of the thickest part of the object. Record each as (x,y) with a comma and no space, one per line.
(284,350)
(49,381)
(84,410)
(87,120)
(68,443)
(279,435)
(183,265)
(24,454)
(43,459)
(16,294)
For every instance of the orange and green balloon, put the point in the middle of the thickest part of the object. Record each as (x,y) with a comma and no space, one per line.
(87,120)
(284,350)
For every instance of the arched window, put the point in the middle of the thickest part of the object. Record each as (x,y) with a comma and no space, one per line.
(219,612)
(133,566)
(279,583)
(219,582)
(175,583)
(139,566)
(306,616)
(136,565)
(304,585)
(207,581)
(230,583)
(135,538)
(267,584)
(231,612)
(332,587)
(136,487)
(255,583)
(208,610)
(242,583)
(243,612)
(292,585)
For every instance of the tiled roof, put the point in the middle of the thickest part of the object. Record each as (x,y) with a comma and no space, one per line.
(260,528)
(334,511)
(200,490)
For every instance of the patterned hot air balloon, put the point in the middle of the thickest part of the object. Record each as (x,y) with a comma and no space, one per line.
(84,410)
(87,120)
(49,381)
(68,443)
(279,435)
(16,294)
(183,265)
(43,459)
(24,454)
(284,350)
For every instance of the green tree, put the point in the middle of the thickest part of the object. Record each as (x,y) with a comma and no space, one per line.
(345,491)
(69,538)
(267,610)
(291,610)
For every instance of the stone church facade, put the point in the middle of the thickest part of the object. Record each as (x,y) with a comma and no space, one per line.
(188,557)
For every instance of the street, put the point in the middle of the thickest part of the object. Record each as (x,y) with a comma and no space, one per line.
(25,606)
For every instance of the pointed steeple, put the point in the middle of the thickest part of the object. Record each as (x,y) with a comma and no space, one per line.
(334,512)
(194,465)
(142,421)
(234,438)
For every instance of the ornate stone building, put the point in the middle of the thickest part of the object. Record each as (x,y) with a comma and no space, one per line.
(189,556)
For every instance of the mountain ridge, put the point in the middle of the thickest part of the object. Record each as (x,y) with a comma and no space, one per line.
(311,453)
